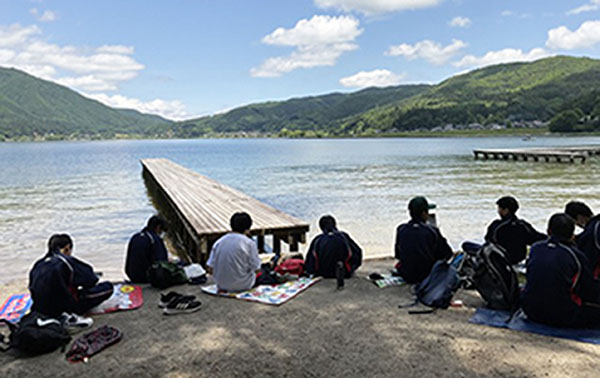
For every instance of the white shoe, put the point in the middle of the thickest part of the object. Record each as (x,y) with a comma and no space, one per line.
(74,323)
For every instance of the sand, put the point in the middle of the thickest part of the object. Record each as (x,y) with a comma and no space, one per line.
(359,331)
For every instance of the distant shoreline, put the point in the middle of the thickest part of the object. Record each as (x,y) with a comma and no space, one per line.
(406,134)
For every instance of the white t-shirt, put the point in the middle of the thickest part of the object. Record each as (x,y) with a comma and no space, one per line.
(234,260)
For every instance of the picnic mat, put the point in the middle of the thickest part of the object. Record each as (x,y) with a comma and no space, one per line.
(387,281)
(15,307)
(268,294)
(519,322)
(125,297)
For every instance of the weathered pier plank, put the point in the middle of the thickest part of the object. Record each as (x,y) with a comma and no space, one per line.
(547,154)
(200,209)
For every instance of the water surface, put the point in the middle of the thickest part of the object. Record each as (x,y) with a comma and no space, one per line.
(94,190)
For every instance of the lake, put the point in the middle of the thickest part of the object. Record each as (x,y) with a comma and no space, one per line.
(94,190)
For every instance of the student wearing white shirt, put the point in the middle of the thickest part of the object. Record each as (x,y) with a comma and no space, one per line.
(234,261)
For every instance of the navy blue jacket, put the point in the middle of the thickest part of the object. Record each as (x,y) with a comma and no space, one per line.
(418,247)
(55,281)
(514,235)
(589,243)
(327,249)
(559,282)
(144,249)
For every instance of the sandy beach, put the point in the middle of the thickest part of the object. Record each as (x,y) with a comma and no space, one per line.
(359,331)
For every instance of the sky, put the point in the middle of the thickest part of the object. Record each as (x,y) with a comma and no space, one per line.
(187,58)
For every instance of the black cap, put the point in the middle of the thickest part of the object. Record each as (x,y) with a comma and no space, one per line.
(419,204)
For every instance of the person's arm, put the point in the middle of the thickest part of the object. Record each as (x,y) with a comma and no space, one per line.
(210,264)
(83,274)
(253,258)
(159,251)
(443,249)
(531,234)
(355,248)
(397,243)
(489,235)
(587,288)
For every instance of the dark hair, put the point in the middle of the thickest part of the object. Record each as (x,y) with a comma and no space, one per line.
(327,223)
(509,203)
(575,208)
(240,222)
(157,221)
(561,226)
(59,241)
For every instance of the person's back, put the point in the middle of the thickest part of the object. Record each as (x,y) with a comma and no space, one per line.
(234,258)
(559,283)
(419,245)
(49,286)
(331,247)
(588,241)
(510,232)
(144,249)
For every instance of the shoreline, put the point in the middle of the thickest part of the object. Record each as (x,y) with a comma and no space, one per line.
(541,132)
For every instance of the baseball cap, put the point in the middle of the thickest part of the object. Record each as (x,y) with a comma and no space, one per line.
(420,204)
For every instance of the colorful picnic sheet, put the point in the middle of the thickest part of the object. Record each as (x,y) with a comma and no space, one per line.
(519,322)
(268,294)
(15,307)
(387,281)
(125,297)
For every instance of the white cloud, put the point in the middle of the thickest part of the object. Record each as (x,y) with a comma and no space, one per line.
(587,35)
(46,16)
(431,51)
(99,69)
(83,69)
(502,56)
(370,7)
(319,41)
(506,13)
(593,5)
(174,110)
(460,22)
(375,78)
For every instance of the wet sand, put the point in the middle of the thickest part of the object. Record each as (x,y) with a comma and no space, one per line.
(359,331)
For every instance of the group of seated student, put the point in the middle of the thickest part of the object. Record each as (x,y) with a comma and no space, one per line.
(62,286)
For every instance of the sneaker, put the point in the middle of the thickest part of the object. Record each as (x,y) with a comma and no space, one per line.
(74,323)
(182,305)
(165,299)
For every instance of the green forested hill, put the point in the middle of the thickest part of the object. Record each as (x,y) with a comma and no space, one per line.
(559,88)
(500,93)
(33,107)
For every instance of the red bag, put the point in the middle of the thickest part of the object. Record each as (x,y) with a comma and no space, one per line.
(291,266)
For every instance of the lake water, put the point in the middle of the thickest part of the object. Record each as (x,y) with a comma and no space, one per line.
(94,190)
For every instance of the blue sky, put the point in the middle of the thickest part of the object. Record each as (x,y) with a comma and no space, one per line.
(187,58)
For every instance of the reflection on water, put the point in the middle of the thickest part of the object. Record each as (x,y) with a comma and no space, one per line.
(94,190)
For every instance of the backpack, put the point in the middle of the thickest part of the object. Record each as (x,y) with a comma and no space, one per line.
(37,334)
(438,288)
(493,277)
(164,274)
(93,342)
(294,267)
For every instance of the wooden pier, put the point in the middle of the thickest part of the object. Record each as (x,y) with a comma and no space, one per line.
(547,154)
(199,209)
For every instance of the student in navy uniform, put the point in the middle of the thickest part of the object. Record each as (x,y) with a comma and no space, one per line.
(145,248)
(509,232)
(589,240)
(560,289)
(419,245)
(331,247)
(60,283)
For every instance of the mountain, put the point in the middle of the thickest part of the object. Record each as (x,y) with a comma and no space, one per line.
(501,93)
(307,113)
(34,107)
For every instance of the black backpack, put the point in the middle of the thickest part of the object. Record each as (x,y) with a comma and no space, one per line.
(438,288)
(37,334)
(164,274)
(493,277)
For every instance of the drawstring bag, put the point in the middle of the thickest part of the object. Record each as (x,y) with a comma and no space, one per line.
(92,343)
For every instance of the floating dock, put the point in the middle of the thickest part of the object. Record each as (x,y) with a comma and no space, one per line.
(199,209)
(547,154)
